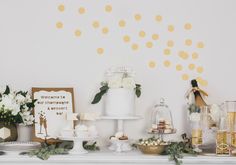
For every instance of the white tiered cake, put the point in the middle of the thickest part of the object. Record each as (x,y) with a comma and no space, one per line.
(120,102)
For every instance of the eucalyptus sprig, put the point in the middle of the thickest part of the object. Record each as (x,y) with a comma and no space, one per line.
(46,151)
(176,149)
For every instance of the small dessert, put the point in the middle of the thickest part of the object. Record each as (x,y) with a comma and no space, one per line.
(119,136)
(123,137)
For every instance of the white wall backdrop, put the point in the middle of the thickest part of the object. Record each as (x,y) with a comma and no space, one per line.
(55,43)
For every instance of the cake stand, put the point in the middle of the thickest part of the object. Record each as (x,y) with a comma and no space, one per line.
(78,148)
(120,145)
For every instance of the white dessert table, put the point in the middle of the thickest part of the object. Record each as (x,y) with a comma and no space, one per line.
(111,158)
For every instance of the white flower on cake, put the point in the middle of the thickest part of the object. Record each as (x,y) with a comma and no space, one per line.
(128,82)
(115,82)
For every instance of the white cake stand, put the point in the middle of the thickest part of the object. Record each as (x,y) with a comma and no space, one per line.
(78,148)
(120,145)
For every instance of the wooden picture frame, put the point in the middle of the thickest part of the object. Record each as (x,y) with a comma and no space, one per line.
(50,112)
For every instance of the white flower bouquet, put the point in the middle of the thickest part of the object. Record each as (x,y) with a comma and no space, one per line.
(118,78)
(16,107)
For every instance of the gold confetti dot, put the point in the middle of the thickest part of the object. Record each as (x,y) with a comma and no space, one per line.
(167,63)
(82,10)
(185,77)
(61,8)
(200,45)
(188,42)
(199,69)
(96,24)
(170,43)
(78,33)
(137,17)
(155,36)
(105,30)
(171,28)
(134,46)
(167,51)
(183,55)
(179,67)
(122,23)
(108,8)
(59,25)
(194,56)
(188,26)
(191,66)
(126,38)
(158,18)
(152,64)
(202,81)
(142,34)
(149,44)
(100,51)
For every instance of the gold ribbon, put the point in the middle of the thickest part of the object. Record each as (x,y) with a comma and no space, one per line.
(200,90)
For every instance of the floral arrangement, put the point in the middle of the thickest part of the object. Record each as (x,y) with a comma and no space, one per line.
(119,79)
(16,107)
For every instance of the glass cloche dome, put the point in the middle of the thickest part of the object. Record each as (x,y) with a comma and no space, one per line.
(161,119)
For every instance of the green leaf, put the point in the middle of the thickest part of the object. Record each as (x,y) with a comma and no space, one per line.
(99,95)
(7,91)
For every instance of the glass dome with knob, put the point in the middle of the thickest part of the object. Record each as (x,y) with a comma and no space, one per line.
(161,120)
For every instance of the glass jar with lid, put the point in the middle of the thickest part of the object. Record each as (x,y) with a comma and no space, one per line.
(161,119)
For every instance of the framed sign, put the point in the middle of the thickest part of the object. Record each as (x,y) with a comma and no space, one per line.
(50,112)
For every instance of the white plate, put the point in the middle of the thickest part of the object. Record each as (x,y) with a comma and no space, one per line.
(19,146)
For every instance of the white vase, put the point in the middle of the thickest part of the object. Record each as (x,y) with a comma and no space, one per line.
(120,102)
(24,133)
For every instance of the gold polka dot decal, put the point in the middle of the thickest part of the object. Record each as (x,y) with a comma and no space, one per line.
(122,23)
(179,67)
(200,45)
(78,33)
(167,63)
(199,69)
(59,25)
(142,34)
(105,30)
(185,77)
(82,10)
(126,38)
(134,46)
(188,26)
(149,44)
(158,18)
(108,8)
(202,81)
(95,24)
(188,42)
(184,55)
(167,51)
(61,7)
(194,55)
(152,64)
(137,17)
(155,36)
(171,28)
(191,66)
(100,51)
(170,43)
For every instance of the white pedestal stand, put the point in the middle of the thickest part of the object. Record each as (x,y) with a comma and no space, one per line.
(78,148)
(120,145)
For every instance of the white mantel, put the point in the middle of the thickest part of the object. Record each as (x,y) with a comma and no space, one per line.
(105,157)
